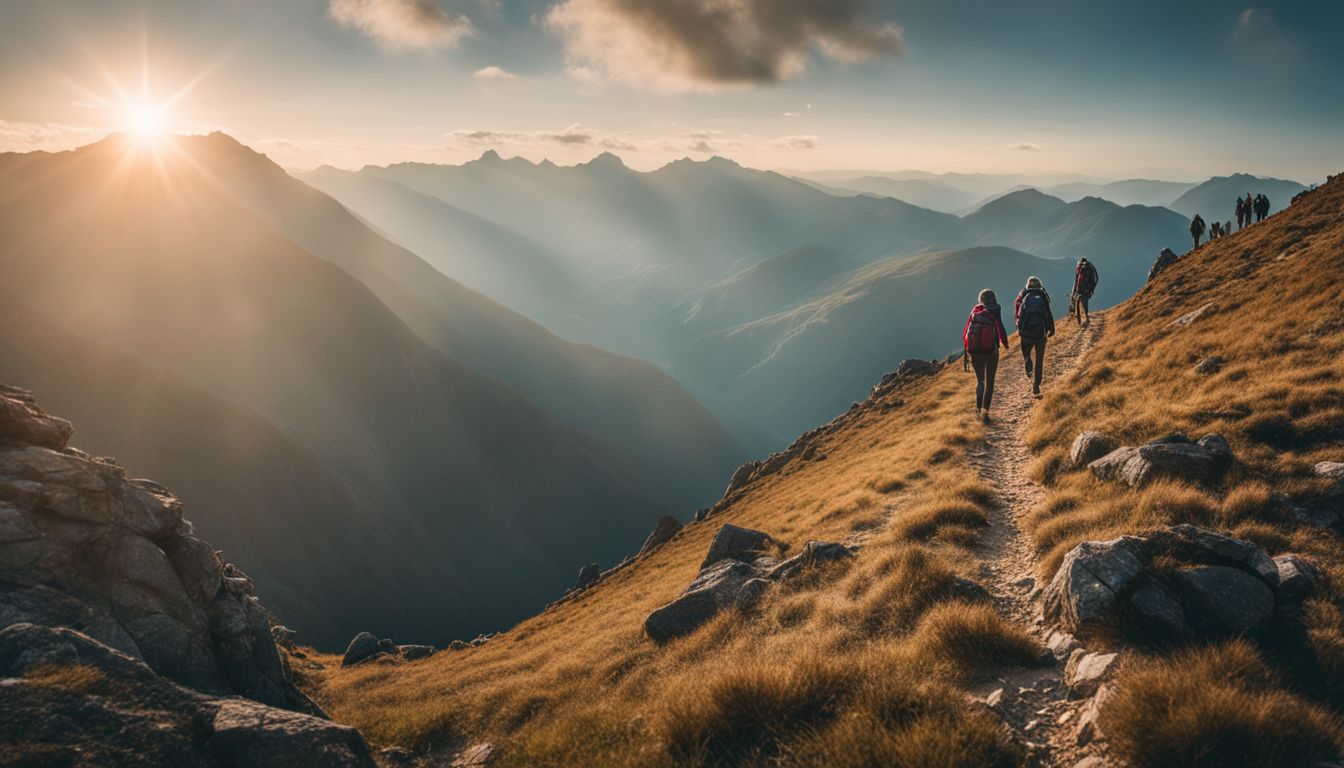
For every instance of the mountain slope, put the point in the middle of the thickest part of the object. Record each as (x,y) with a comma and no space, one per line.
(490,500)
(1216,199)
(906,477)
(1125,191)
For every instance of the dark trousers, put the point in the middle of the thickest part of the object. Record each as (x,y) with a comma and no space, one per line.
(1038,346)
(986,364)
(1080,306)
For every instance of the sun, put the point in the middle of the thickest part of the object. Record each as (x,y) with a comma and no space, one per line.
(146,124)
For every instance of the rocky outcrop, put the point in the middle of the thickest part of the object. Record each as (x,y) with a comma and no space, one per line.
(83,546)
(662,533)
(735,573)
(69,699)
(1164,259)
(1210,365)
(588,574)
(1089,446)
(1174,456)
(1179,583)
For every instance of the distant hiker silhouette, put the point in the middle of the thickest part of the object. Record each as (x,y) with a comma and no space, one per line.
(1249,204)
(1197,228)
(1261,207)
(980,339)
(1241,213)
(1085,281)
(1034,323)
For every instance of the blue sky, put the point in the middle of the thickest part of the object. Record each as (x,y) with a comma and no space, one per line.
(1176,90)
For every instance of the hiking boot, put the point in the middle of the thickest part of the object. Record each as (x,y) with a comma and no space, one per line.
(1036,391)
(985,417)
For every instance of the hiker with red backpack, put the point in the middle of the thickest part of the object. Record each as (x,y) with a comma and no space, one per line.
(980,339)
(1035,323)
(1085,281)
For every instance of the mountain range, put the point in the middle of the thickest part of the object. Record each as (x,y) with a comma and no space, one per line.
(686,265)
(398,471)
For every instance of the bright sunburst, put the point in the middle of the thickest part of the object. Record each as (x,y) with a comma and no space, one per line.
(146,124)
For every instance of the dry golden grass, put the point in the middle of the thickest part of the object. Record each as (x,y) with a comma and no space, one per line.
(1272,312)
(852,664)
(1219,707)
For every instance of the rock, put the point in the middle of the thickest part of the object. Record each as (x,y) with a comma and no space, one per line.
(1086,590)
(1192,544)
(22,422)
(1087,730)
(720,586)
(1090,762)
(475,756)
(1203,462)
(1157,613)
(1061,645)
(283,636)
(459,645)
(138,717)
(1210,365)
(732,542)
(362,646)
(1223,600)
(415,652)
(741,476)
(1085,671)
(814,552)
(1333,470)
(662,533)
(397,757)
(994,699)
(1089,446)
(1164,259)
(1193,315)
(1298,577)
(197,566)
(588,574)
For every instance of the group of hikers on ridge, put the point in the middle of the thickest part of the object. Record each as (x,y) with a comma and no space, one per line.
(984,331)
(1249,210)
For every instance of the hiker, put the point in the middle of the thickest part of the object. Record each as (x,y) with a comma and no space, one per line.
(1197,228)
(1084,285)
(1261,208)
(981,337)
(1034,323)
(1241,213)
(1215,231)
(1250,208)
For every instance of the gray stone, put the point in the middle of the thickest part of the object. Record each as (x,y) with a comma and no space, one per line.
(283,636)
(197,566)
(1085,671)
(1333,470)
(1084,595)
(415,652)
(734,543)
(1089,446)
(587,575)
(477,755)
(1222,600)
(720,586)
(1157,612)
(253,734)
(1164,259)
(1202,462)
(662,533)
(813,553)
(1192,544)
(1061,645)
(1298,576)
(362,646)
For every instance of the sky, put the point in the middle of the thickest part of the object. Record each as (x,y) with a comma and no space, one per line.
(1152,88)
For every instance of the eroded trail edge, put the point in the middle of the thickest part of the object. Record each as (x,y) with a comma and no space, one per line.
(1033,702)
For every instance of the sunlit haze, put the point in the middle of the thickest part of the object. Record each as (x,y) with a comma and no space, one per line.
(1136,89)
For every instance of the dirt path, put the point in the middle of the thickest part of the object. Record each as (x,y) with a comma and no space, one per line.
(1034,701)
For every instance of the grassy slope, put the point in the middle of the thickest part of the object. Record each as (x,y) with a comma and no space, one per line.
(1273,312)
(861,665)
(851,666)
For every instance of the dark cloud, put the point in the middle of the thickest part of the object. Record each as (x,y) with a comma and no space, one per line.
(1025,146)
(402,24)
(703,147)
(709,43)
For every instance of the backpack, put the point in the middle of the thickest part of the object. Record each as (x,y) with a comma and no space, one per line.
(1086,280)
(1031,319)
(983,334)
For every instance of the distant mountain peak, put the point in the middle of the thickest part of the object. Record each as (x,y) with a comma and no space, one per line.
(605,160)
(489,156)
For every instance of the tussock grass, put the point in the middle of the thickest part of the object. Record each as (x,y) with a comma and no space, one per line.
(973,638)
(1219,706)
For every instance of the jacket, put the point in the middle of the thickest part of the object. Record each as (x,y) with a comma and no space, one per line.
(1049,316)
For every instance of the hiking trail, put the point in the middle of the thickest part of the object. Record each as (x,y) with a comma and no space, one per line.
(1034,702)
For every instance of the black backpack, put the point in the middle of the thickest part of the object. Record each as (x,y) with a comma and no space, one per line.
(1031,319)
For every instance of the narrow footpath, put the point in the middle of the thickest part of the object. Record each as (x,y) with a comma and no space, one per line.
(1033,702)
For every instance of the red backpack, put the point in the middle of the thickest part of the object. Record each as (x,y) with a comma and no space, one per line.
(982,334)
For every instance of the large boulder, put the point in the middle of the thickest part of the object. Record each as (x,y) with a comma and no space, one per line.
(1173,457)
(734,543)
(588,575)
(70,700)
(1164,259)
(1177,583)
(1089,446)
(84,546)
(363,646)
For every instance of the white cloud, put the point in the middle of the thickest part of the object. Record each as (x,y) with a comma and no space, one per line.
(710,44)
(402,24)
(494,73)
(29,137)
(796,142)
